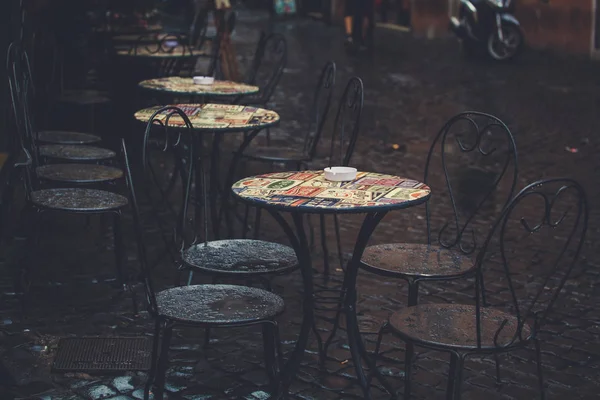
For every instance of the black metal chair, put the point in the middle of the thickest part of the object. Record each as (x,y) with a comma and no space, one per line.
(17,60)
(202,306)
(346,128)
(65,145)
(66,200)
(299,157)
(220,258)
(475,152)
(296,157)
(267,68)
(557,207)
(21,90)
(49,64)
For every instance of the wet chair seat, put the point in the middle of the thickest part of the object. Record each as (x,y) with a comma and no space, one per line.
(76,152)
(218,304)
(66,137)
(411,260)
(78,200)
(79,173)
(241,256)
(454,326)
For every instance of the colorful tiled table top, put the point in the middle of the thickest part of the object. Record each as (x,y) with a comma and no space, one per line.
(309,191)
(217,117)
(181,85)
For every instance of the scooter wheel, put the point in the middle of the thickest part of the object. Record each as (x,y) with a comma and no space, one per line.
(510,48)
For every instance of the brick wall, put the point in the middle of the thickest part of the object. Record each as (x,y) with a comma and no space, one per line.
(562,25)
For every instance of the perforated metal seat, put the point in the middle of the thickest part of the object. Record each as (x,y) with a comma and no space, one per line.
(241,256)
(79,173)
(218,304)
(454,326)
(415,260)
(67,137)
(76,152)
(78,200)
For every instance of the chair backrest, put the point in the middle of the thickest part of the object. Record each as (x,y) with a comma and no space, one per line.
(139,236)
(320,108)
(534,247)
(171,169)
(268,64)
(469,159)
(197,34)
(347,123)
(21,88)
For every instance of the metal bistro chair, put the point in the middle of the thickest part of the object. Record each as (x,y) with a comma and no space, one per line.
(476,140)
(298,158)
(557,207)
(73,173)
(49,64)
(67,200)
(266,70)
(471,139)
(17,60)
(23,85)
(202,306)
(220,259)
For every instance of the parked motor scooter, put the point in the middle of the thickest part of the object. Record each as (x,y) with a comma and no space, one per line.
(488,26)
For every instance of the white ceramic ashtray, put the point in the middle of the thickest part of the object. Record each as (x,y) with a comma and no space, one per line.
(204,80)
(340,174)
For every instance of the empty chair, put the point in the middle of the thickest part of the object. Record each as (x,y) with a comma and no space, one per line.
(540,235)
(20,85)
(202,306)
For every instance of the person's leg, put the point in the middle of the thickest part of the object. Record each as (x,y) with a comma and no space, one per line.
(348,19)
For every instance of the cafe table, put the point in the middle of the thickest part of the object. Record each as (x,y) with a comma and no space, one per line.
(216,119)
(184,86)
(299,193)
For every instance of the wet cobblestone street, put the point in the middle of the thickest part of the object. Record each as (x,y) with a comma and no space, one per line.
(412,87)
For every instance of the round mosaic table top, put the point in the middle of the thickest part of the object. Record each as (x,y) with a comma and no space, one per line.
(152,51)
(181,85)
(216,117)
(310,192)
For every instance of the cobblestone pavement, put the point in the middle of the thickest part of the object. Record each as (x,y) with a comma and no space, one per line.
(412,87)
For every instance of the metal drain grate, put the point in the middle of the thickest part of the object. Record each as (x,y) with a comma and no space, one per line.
(98,354)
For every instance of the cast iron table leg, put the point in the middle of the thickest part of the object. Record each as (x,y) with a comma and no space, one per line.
(301,247)
(357,346)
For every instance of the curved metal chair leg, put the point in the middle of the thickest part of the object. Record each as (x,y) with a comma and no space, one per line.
(336,222)
(118,243)
(119,254)
(538,357)
(162,363)
(154,362)
(413,292)
(270,352)
(245,223)
(382,331)
(324,247)
(497,360)
(257,223)
(408,356)
(457,377)
(32,232)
